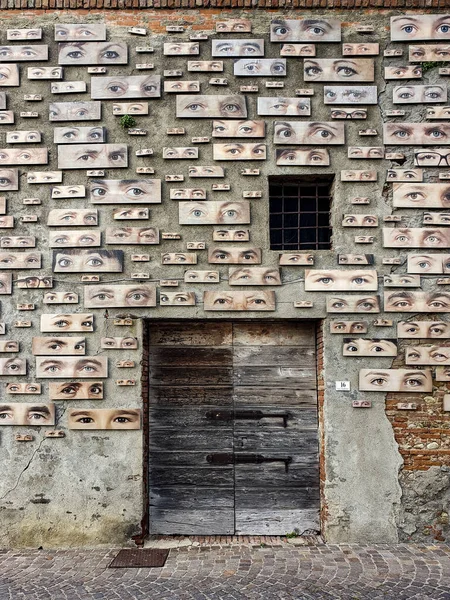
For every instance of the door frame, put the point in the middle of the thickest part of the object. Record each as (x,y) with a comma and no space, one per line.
(145,396)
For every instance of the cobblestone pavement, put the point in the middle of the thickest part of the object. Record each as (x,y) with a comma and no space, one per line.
(229,571)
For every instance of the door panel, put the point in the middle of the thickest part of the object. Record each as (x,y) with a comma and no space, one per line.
(233,428)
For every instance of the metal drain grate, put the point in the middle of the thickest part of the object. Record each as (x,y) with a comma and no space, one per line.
(139,558)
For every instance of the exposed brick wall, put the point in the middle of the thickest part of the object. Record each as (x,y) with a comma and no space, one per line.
(219,4)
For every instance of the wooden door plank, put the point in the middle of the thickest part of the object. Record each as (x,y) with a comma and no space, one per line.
(194,376)
(273,475)
(173,418)
(191,333)
(260,396)
(279,522)
(191,356)
(204,498)
(277,441)
(191,476)
(275,356)
(287,377)
(249,498)
(185,439)
(192,522)
(186,458)
(170,396)
(286,333)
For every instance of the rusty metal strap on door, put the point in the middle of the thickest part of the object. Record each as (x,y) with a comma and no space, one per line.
(247,459)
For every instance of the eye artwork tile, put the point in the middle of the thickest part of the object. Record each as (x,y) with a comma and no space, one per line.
(80,260)
(5,283)
(33,281)
(232,107)
(420,27)
(231,235)
(227,212)
(17,242)
(239,301)
(23,388)
(234,26)
(355,259)
(120,214)
(92,53)
(353,304)
(237,47)
(133,86)
(60,298)
(313,157)
(360,221)
(437,157)
(181,86)
(119,343)
(423,329)
(6,117)
(369,347)
(20,260)
(180,153)
(407,301)
(427,355)
(2,100)
(9,75)
(7,222)
(365,152)
(359,175)
(305,30)
(72,217)
(407,72)
(239,129)
(308,133)
(340,280)
(50,346)
(205,66)
(181,49)
(404,175)
(44,73)
(349,113)
(132,235)
(68,191)
(130,108)
(9,346)
(361,49)
(9,180)
(24,156)
(348,327)
(188,194)
(300,107)
(251,256)
(428,263)
(414,134)
(442,374)
(403,280)
(140,295)
(436,218)
(28,53)
(125,191)
(296,259)
(176,258)
(419,94)
(25,413)
(74,32)
(298,50)
(399,237)
(104,418)
(95,156)
(76,390)
(77,135)
(23,137)
(339,69)
(239,151)
(438,112)
(68,87)
(177,299)
(74,322)
(16,35)
(74,239)
(350,94)
(75,111)
(193,276)
(395,380)
(86,367)
(260,67)
(209,171)
(254,276)
(421,195)
(13,366)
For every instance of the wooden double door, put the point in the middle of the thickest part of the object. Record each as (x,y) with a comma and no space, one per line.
(233,428)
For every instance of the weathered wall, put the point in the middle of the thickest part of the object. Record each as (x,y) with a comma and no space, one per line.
(87,488)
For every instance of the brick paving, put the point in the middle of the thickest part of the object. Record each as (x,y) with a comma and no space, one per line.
(216,569)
